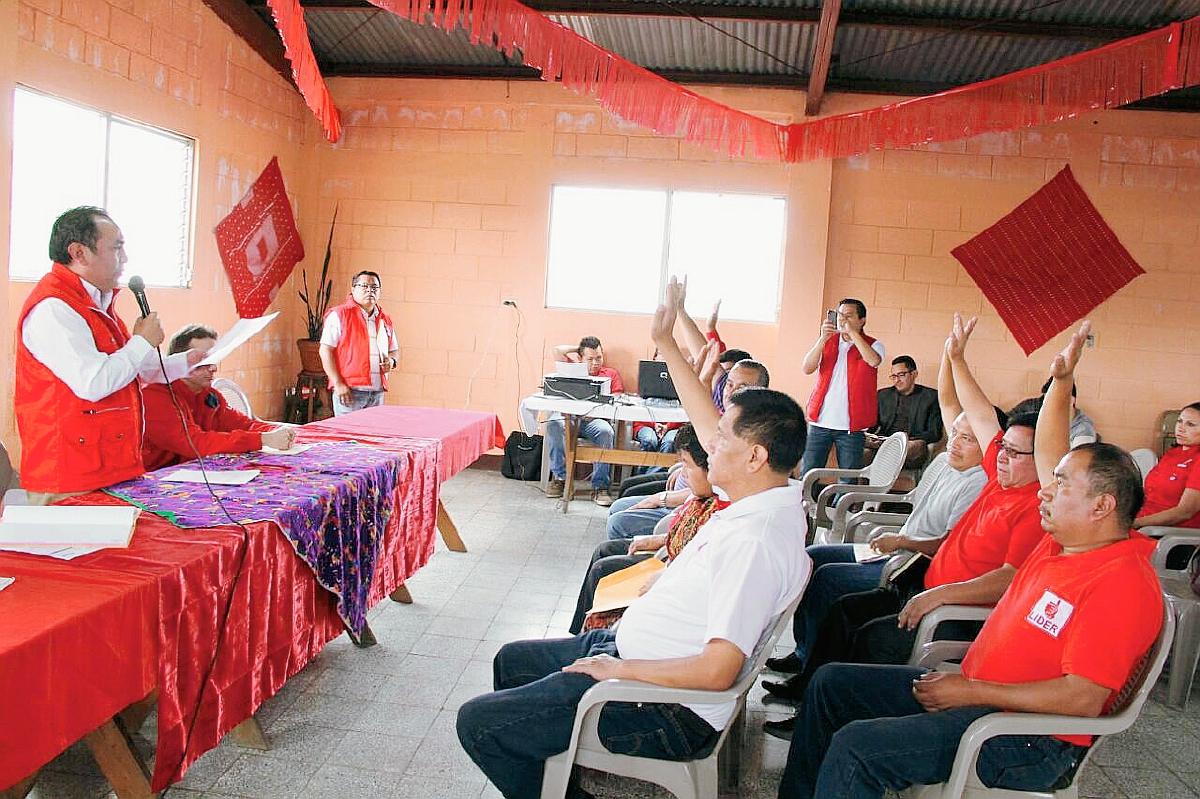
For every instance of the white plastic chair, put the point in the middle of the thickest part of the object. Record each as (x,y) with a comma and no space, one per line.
(964,782)
(1177,590)
(878,478)
(234,395)
(849,525)
(692,779)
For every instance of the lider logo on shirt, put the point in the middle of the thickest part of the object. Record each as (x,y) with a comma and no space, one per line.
(1050,613)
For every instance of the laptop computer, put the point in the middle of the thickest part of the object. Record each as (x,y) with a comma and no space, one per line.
(654,381)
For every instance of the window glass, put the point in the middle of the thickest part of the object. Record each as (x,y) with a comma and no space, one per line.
(614,249)
(65,155)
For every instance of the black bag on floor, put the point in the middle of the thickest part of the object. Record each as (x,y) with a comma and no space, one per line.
(522,457)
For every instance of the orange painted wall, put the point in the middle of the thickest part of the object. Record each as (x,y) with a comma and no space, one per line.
(444,188)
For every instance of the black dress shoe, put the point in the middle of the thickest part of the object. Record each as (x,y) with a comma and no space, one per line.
(781,729)
(786,665)
(788,689)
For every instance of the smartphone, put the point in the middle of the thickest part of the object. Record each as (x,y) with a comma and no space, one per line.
(831,317)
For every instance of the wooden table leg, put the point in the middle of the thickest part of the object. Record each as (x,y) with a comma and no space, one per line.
(249,734)
(401,595)
(571,442)
(449,532)
(119,760)
(134,716)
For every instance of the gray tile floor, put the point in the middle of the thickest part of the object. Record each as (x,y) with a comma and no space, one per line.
(380,722)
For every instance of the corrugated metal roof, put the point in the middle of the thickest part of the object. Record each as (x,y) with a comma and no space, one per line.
(378,37)
(683,44)
(1148,13)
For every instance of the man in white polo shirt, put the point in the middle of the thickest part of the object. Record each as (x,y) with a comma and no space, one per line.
(694,628)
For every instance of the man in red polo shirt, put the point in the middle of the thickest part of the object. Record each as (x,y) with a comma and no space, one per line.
(1080,614)
(974,563)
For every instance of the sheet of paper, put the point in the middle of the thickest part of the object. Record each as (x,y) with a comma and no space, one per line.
(5,582)
(236,477)
(241,332)
(71,525)
(864,554)
(295,450)
(61,553)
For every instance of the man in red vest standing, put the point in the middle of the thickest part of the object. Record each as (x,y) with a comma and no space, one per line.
(358,347)
(843,403)
(78,403)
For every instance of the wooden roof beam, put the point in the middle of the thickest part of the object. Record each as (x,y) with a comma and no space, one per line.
(254,31)
(822,54)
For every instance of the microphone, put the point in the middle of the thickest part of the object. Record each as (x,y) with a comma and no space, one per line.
(138,287)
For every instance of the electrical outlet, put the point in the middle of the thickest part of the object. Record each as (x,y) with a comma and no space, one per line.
(511,302)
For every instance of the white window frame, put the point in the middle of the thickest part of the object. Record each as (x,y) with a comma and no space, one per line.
(159,235)
(617,256)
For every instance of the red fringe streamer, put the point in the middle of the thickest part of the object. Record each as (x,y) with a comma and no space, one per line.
(1107,77)
(293,30)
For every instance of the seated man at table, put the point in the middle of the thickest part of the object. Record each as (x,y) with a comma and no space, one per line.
(598,431)
(208,425)
(694,628)
(1064,639)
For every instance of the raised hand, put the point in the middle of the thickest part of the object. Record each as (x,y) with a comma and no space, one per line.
(1064,363)
(960,333)
(711,324)
(663,324)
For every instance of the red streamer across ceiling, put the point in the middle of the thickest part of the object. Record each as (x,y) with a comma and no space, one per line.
(1107,77)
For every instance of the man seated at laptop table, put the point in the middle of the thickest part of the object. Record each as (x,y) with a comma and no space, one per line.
(598,431)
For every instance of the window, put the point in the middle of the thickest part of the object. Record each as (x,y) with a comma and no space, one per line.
(614,249)
(66,155)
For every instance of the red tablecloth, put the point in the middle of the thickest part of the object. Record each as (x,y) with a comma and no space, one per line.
(461,436)
(81,640)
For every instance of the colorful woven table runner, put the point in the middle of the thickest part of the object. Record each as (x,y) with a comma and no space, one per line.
(331,502)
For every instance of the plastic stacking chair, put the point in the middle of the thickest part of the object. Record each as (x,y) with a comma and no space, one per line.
(849,525)
(964,782)
(234,395)
(1177,591)
(878,478)
(692,779)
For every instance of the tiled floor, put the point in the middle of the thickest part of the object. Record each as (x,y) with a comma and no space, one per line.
(380,722)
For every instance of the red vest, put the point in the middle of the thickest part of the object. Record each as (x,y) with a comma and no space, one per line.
(353,352)
(70,444)
(862,377)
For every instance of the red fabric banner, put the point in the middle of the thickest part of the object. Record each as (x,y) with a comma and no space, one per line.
(259,243)
(1049,262)
(1107,77)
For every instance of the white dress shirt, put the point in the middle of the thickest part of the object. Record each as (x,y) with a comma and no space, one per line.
(61,340)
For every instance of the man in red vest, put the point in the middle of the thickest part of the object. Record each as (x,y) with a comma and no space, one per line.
(843,403)
(78,404)
(358,347)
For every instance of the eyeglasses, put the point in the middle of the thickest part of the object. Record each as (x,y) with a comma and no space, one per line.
(1012,451)
(371,287)
(900,375)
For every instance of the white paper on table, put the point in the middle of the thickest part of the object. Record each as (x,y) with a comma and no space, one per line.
(5,582)
(295,450)
(69,525)
(235,477)
(62,553)
(241,332)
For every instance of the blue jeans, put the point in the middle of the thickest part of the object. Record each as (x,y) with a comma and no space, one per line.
(835,574)
(597,431)
(649,441)
(624,522)
(359,398)
(510,732)
(861,732)
(821,439)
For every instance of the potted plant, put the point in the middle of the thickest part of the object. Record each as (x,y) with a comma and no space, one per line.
(315,307)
